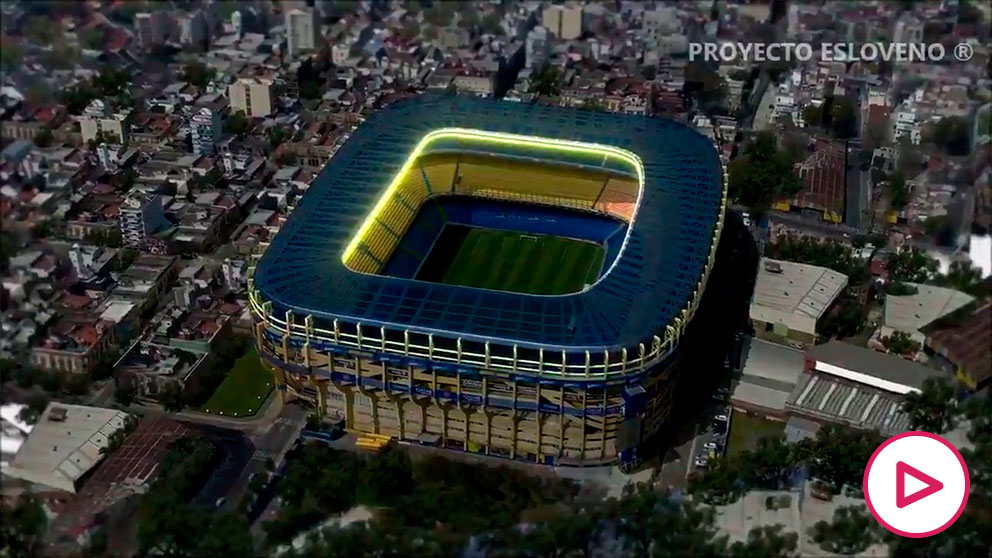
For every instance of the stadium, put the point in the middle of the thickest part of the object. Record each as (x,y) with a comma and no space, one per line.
(495,277)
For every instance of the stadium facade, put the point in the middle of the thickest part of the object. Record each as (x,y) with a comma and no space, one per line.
(349,318)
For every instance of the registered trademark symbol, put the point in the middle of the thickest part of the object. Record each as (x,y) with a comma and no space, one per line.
(963,52)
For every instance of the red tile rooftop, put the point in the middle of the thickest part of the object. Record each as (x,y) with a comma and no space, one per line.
(230,308)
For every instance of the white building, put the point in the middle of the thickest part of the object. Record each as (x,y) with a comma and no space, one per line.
(205,130)
(65,444)
(98,119)
(234,272)
(140,217)
(662,22)
(251,95)
(302,31)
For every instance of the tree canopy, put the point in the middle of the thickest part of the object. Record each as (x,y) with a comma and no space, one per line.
(933,409)
(763,173)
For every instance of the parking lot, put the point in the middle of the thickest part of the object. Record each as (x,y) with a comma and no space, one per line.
(698,442)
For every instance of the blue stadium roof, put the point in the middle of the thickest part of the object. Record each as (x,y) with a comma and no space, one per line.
(649,286)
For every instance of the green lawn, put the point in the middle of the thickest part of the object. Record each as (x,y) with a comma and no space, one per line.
(746,430)
(243,390)
(514,261)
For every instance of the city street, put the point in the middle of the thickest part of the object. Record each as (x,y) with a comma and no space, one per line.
(273,444)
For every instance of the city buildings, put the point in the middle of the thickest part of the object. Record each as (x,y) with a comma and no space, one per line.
(151,29)
(302,31)
(205,129)
(253,96)
(99,122)
(564,22)
(141,215)
(65,444)
(789,298)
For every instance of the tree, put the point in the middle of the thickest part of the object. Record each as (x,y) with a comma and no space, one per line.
(813,115)
(11,56)
(952,133)
(492,23)
(93,38)
(650,523)
(125,391)
(197,73)
(847,320)
(171,397)
(900,343)
(963,276)
(22,527)
(844,120)
(852,531)
(546,81)
(75,384)
(898,191)
(44,138)
(942,230)
(934,409)
(277,136)
(912,266)
(468,17)
(766,542)
(898,288)
(763,173)
(238,124)
(36,405)
(41,30)
(838,454)
(439,14)
(565,533)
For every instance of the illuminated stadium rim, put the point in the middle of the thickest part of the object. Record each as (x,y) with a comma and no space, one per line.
(504,139)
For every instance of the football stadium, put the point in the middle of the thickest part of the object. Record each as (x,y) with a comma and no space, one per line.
(494,277)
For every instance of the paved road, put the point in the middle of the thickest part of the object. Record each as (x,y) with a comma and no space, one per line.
(270,443)
(812,226)
(251,425)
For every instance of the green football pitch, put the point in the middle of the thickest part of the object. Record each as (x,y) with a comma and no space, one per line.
(512,261)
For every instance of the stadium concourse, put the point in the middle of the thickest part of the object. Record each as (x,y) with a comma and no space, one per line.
(495,277)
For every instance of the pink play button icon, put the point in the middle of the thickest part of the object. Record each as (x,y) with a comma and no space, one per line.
(916,460)
(932,485)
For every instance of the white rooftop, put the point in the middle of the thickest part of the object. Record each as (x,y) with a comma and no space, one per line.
(58,452)
(909,313)
(794,294)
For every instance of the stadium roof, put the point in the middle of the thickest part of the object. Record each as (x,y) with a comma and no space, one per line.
(650,285)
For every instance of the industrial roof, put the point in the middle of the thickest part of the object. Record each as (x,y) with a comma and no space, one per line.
(828,397)
(909,313)
(64,444)
(650,285)
(770,372)
(794,294)
(883,370)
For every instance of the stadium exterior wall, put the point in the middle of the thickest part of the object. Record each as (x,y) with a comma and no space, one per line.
(496,398)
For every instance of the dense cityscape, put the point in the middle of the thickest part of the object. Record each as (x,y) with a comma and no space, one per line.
(489,278)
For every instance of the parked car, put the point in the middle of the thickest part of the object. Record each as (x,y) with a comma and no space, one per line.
(719,427)
(722,417)
(723,390)
(720,398)
(712,446)
(702,464)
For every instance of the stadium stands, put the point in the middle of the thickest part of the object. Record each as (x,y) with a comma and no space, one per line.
(484,176)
